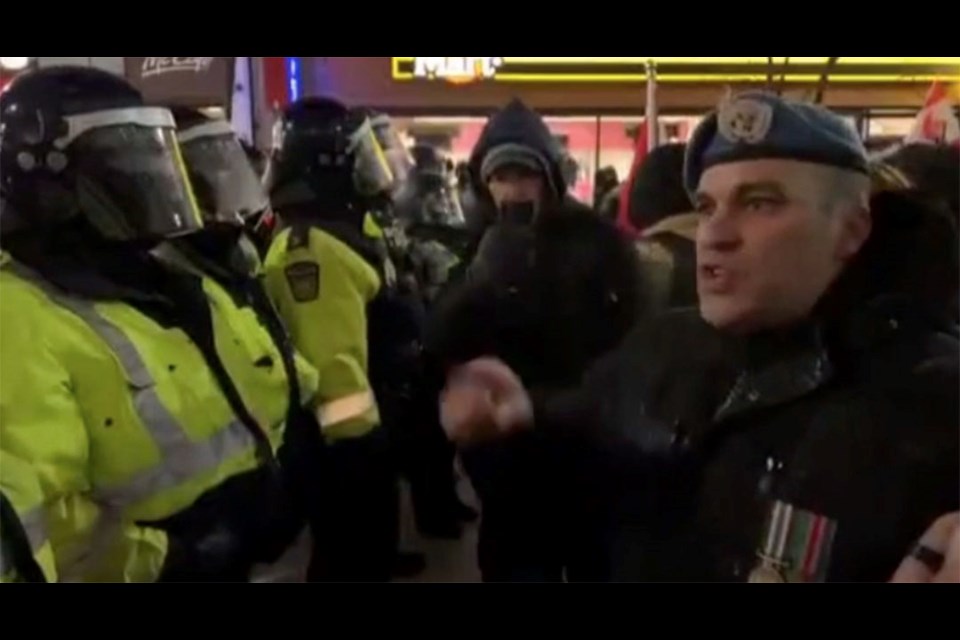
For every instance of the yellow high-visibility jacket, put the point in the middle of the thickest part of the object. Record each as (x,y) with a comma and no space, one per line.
(123,420)
(321,288)
(21,489)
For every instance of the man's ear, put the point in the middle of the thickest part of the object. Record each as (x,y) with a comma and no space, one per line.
(856,227)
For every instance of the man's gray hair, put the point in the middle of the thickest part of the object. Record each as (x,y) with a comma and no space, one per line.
(844,189)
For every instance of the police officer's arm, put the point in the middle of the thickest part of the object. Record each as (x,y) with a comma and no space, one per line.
(323,307)
(43,425)
(350,411)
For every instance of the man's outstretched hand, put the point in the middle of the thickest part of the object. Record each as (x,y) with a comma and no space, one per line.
(484,400)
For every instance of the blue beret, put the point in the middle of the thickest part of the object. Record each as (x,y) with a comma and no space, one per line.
(756,124)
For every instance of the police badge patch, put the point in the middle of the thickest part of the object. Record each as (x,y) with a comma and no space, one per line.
(745,120)
(304,281)
(796,546)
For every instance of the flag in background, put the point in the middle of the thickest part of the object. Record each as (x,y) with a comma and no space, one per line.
(937,122)
(648,138)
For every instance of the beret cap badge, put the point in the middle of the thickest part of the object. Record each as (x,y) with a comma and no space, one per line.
(744,120)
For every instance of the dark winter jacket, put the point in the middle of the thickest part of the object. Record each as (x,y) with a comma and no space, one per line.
(548,299)
(849,420)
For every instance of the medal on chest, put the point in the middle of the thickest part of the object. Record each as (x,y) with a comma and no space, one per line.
(795,546)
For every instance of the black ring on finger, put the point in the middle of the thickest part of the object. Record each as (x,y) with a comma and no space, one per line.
(931,559)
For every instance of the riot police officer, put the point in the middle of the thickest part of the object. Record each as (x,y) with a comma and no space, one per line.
(231,201)
(429,207)
(325,163)
(425,214)
(156,463)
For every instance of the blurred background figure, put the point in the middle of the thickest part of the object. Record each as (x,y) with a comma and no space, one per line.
(416,214)
(606,183)
(934,169)
(661,209)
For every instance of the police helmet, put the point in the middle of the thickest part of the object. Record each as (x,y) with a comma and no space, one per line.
(431,198)
(227,188)
(78,142)
(325,154)
(397,154)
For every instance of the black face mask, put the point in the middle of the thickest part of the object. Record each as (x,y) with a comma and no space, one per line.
(518,213)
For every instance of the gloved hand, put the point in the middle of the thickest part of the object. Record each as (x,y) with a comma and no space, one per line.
(217,556)
(248,519)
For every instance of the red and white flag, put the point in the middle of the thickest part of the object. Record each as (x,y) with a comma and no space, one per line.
(937,123)
(648,139)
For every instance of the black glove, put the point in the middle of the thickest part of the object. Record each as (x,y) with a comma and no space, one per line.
(248,519)
(218,556)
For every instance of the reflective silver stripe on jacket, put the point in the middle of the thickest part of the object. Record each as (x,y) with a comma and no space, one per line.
(182,459)
(34,524)
(340,410)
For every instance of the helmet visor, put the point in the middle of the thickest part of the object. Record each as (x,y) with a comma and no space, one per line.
(398,156)
(227,187)
(441,207)
(372,173)
(130,176)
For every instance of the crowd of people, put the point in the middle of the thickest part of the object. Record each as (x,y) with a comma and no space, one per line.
(216,365)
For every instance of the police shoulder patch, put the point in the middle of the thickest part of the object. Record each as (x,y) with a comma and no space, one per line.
(304,281)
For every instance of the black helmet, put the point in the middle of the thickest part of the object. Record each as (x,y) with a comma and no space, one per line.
(227,187)
(77,142)
(324,154)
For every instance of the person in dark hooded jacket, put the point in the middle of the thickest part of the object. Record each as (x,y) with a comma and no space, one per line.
(552,287)
(801,426)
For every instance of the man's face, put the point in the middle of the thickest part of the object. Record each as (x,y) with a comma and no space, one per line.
(516,185)
(773,239)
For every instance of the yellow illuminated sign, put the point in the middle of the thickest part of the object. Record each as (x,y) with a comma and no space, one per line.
(798,70)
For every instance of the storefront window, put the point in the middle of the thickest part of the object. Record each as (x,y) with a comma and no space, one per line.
(891,127)
(454,137)
(593,142)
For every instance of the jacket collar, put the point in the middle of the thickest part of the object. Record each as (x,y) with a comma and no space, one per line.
(778,367)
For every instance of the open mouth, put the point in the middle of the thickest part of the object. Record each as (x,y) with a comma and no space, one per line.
(711,271)
(716,279)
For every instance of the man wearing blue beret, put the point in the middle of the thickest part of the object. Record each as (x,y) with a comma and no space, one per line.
(802,424)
